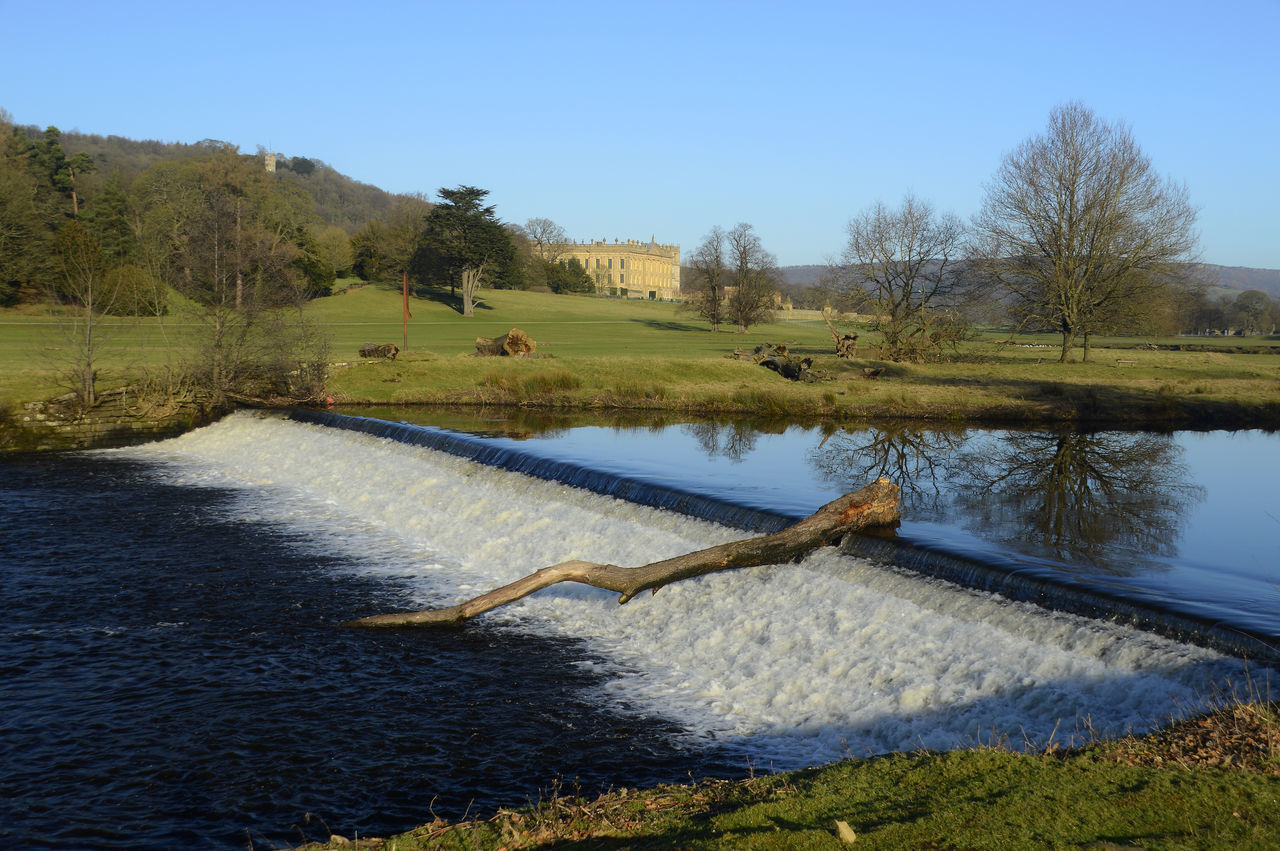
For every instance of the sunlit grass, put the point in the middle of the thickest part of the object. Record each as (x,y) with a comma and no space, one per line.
(609,353)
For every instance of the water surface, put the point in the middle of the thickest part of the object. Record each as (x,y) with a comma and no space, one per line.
(174,672)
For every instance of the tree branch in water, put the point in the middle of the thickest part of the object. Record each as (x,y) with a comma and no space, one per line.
(875,505)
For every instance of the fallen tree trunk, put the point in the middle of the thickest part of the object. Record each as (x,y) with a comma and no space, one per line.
(514,343)
(872,506)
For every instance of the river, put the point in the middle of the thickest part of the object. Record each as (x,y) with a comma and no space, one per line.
(174,672)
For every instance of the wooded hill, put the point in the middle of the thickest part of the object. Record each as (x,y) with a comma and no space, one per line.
(339,200)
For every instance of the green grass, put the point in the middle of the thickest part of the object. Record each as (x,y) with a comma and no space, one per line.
(604,354)
(1209,782)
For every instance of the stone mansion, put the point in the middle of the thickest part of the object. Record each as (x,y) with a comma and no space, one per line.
(631,269)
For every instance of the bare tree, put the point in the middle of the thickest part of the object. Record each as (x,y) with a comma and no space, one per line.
(755,277)
(548,238)
(710,275)
(1079,230)
(902,266)
(86,297)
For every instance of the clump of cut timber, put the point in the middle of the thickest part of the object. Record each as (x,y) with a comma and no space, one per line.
(514,343)
(874,506)
(379,350)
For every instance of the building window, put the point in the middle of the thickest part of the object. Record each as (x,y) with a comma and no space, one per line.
(622,264)
(610,262)
(622,277)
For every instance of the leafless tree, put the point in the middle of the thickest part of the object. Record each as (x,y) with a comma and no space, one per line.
(903,267)
(710,275)
(755,277)
(85,297)
(1079,230)
(548,238)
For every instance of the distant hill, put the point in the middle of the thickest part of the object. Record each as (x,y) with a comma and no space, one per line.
(1242,278)
(339,200)
(803,276)
(1236,278)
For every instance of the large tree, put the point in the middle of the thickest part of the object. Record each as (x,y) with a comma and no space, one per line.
(755,277)
(464,244)
(232,239)
(1252,311)
(26,237)
(903,267)
(1079,229)
(710,277)
(383,248)
(548,238)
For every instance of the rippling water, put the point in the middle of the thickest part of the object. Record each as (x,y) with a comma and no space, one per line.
(173,672)
(172,675)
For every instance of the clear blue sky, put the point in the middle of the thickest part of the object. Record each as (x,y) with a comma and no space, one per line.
(663,119)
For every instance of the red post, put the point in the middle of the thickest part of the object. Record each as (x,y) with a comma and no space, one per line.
(407,315)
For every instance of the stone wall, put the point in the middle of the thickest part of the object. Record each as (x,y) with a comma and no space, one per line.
(117,420)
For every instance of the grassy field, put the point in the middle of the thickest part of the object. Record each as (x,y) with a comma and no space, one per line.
(603,354)
(606,354)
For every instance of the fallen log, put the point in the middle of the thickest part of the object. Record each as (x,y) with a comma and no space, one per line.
(514,343)
(875,505)
(374,350)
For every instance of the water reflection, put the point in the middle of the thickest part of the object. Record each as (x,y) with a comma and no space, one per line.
(919,460)
(1100,498)
(1095,497)
(734,441)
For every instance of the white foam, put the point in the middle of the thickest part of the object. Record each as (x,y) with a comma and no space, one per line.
(796,664)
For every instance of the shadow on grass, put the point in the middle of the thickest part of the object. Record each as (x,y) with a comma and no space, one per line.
(672,325)
(439,295)
(1102,405)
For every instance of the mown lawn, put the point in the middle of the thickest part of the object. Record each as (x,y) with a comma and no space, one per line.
(602,354)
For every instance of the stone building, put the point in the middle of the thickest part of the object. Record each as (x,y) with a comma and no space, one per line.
(631,269)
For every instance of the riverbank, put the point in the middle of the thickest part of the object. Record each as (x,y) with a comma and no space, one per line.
(1208,782)
(987,386)
(609,355)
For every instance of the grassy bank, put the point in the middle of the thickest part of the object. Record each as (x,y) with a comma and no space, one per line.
(600,354)
(1211,782)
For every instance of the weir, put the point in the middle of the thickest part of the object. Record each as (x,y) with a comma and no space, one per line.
(787,665)
(483,451)
(1010,579)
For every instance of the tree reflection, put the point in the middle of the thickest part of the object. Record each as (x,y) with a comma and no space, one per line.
(733,441)
(1099,498)
(917,460)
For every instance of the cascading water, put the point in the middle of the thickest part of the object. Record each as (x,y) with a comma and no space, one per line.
(217,684)
(1012,579)
(791,663)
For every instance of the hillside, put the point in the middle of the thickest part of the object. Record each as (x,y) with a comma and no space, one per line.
(339,200)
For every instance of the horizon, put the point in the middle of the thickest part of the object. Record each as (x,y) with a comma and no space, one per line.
(616,123)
